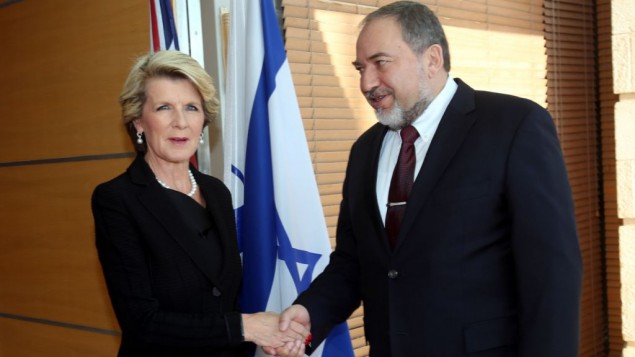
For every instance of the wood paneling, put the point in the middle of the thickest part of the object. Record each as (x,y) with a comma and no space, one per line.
(63,65)
(48,263)
(28,339)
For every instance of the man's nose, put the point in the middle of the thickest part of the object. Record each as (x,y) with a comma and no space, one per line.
(368,80)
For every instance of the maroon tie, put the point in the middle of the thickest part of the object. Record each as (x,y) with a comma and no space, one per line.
(401,184)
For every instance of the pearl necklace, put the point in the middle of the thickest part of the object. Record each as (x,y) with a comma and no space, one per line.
(192,181)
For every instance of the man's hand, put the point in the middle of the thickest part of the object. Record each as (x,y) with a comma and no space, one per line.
(294,314)
(297,313)
(263,329)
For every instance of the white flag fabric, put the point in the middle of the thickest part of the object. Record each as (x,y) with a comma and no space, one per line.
(281,228)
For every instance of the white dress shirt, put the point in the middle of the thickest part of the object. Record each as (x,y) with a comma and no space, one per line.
(426,124)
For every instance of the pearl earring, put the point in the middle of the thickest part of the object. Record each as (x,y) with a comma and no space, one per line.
(200,139)
(139,138)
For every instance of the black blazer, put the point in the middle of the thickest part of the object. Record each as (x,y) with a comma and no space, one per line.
(166,301)
(487,263)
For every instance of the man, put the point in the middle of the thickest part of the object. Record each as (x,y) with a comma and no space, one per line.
(485,259)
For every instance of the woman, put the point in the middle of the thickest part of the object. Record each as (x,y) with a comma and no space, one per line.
(165,232)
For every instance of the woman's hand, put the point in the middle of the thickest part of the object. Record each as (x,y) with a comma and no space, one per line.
(263,329)
(290,349)
(293,315)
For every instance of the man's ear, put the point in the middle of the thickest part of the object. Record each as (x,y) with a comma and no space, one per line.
(434,59)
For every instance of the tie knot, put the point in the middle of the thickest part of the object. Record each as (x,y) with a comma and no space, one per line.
(409,134)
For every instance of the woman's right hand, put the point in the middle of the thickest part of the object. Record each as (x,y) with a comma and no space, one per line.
(262,328)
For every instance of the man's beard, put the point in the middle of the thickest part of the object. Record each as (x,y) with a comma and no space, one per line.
(397,118)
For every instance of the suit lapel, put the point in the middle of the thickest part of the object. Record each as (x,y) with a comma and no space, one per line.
(153,197)
(231,269)
(452,131)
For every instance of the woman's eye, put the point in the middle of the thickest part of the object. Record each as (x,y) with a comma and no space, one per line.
(163,107)
(193,108)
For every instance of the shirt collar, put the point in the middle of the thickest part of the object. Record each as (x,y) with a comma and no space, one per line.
(428,121)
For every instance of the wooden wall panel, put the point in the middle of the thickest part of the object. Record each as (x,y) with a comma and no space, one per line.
(27,339)
(48,262)
(63,65)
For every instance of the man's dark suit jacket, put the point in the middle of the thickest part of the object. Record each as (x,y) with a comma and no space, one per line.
(487,261)
(166,300)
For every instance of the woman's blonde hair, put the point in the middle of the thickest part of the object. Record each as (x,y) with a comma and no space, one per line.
(170,64)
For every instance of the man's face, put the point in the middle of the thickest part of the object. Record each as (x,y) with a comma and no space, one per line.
(392,76)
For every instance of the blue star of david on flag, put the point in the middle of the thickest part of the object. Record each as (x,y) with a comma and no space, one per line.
(293,258)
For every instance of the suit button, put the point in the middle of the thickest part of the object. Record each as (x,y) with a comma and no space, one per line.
(216,292)
(393,274)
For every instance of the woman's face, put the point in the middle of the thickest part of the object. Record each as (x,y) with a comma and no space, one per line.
(172,120)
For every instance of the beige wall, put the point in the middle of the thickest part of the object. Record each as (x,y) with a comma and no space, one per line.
(623,17)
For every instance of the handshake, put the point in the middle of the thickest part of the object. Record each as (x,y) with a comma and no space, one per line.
(284,335)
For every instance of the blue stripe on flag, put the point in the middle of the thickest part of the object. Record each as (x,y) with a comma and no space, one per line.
(259,244)
(274,49)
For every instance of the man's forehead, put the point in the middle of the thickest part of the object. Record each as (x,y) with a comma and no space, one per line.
(379,39)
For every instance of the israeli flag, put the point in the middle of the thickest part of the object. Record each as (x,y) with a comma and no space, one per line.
(281,229)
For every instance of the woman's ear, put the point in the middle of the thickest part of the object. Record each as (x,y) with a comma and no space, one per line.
(137,125)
